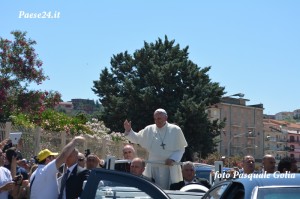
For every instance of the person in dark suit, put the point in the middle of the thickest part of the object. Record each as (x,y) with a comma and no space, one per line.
(188,173)
(76,175)
(137,167)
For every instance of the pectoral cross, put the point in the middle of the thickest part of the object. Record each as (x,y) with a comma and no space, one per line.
(163,145)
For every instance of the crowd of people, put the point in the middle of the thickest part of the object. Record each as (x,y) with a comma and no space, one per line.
(52,175)
(61,175)
(268,166)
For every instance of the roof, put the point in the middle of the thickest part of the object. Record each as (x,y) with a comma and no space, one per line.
(286,124)
(267,180)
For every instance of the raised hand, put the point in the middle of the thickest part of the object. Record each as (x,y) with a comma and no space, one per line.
(79,139)
(127,126)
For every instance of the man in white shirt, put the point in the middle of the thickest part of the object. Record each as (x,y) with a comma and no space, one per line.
(43,180)
(6,183)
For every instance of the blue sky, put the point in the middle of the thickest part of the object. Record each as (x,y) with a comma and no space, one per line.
(253,46)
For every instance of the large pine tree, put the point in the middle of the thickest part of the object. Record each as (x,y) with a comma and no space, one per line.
(160,75)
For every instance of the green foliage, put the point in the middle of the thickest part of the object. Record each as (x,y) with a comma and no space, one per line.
(55,121)
(20,66)
(160,75)
(23,120)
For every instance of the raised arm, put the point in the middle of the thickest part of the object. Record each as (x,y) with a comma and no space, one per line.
(67,150)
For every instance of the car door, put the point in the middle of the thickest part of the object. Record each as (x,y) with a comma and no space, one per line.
(104,183)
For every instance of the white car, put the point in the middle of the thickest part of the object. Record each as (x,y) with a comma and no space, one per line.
(103,183)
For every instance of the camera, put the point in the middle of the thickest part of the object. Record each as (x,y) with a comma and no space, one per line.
(18,179)
(7,146)
(87,152)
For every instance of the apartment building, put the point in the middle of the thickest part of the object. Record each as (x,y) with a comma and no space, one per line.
(66,107)
(282,139)
(243,132)
(275,138)
(294,143)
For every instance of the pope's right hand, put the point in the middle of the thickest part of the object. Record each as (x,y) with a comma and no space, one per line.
(127,126)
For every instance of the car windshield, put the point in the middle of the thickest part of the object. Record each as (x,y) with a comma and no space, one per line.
(278,192)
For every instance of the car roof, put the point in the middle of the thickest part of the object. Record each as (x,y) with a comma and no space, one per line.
(266,180)
(207,167)
(278,186)
(270,179)
(276,191)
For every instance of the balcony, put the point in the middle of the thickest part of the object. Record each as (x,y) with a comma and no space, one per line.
(251,135)
(236,146)
(236,125)
(250,145)
(282,140)
(283,149)
(293,141)
(295,150)
(238,135)
(270,139)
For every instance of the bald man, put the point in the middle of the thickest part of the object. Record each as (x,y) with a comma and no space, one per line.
(268,163)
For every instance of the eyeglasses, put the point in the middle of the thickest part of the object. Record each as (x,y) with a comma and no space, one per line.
(80,159)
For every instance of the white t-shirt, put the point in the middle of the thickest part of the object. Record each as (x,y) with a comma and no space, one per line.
(44,184)
(5,178)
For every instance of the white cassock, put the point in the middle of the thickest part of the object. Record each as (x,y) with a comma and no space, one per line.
(161,143)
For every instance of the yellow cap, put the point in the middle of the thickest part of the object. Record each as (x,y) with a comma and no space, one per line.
(44,154)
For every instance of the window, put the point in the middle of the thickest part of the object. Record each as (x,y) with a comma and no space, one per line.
(216,192)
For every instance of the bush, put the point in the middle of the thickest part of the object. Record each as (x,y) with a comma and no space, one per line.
(54,121)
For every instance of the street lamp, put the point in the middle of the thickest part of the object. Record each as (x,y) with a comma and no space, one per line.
(228,147)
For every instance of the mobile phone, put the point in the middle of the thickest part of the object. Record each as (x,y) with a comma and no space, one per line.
(15,137)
